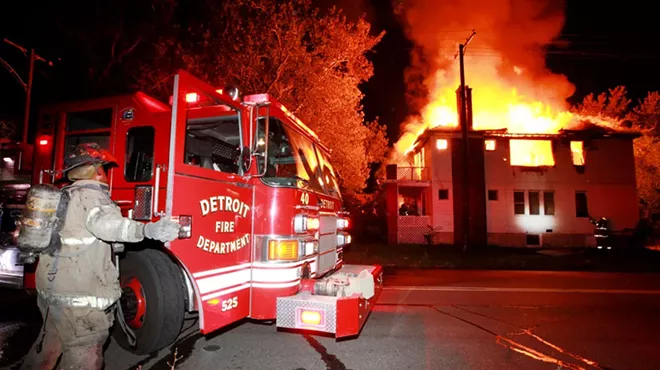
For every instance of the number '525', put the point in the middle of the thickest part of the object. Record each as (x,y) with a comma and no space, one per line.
(229,304)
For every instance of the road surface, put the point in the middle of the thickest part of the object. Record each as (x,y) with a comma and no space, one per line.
(442,319)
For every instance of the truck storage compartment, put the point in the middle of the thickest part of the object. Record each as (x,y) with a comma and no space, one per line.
(338,304)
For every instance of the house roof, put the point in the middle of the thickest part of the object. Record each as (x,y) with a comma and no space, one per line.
(584,130)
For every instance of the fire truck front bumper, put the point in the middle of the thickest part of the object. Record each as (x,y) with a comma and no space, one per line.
(338,304)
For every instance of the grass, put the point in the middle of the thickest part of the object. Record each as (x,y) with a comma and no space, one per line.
(496,258)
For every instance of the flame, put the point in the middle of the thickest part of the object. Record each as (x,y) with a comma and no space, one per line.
(504,66)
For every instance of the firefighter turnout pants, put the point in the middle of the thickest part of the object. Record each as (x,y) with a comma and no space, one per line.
(77,334)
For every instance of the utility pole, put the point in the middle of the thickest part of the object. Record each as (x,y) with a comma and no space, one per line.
(463,120)
(26,86)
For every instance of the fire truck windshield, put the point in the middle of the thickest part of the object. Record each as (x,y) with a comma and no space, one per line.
(293,160)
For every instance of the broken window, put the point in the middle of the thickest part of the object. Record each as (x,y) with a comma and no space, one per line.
(581,209)
(548,203)
(490,145)
(577,153)
(534,203)
(519,202)
(531,153)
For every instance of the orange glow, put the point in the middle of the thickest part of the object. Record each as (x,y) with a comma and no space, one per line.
(504,65)
(283,250)
(310,317)
(531,153)
(192,98)
(490,145)
(441,144)
(577,153)
(313,223)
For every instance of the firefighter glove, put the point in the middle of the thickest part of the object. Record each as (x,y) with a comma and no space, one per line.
(163,230)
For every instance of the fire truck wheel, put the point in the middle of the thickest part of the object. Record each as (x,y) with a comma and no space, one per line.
(153,300)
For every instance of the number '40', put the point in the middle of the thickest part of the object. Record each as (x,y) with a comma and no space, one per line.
(304,198)
(229,304)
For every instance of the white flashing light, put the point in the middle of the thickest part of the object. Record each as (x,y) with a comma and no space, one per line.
(441,144)
(192,97)
(8,160)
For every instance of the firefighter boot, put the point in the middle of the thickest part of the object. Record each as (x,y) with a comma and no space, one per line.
(45,351)
(84,356)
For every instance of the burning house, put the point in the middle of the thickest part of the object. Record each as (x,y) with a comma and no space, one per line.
(517,167)
(523,189)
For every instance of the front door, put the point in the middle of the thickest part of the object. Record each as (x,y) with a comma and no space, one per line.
(207,188)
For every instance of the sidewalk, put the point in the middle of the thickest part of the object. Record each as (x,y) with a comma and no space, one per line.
(493,258)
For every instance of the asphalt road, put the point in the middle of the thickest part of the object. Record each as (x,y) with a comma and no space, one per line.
(429,319)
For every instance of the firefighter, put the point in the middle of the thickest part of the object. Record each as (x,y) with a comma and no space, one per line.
(78,285)
(601,233)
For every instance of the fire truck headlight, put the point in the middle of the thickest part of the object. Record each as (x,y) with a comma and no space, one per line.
(342,223)
(304,223)
(311,247)
(343,239)
(283,250)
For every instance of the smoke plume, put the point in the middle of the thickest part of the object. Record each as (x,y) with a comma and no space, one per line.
(504,64)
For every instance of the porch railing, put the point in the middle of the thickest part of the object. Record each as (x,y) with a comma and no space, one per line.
(412,173)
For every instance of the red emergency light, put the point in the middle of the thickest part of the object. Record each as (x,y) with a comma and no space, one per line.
(43,142)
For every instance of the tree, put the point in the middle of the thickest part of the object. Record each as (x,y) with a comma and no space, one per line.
(313,61)
(614,104)
(643,117)
(7,129)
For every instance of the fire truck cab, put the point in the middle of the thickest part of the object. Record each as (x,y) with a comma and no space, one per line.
(255,193)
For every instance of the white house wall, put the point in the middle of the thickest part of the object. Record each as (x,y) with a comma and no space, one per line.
(608,180)
(442,211)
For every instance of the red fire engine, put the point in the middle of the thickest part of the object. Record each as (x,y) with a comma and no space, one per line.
(257,198)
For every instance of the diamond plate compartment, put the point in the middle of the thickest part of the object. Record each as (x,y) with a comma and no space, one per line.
(287,308)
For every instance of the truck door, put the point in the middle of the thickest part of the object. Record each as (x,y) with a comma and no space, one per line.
(206,189)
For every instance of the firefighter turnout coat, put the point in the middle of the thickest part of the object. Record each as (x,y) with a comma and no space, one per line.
(85,276)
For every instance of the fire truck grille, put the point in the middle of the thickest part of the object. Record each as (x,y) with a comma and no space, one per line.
(288,308)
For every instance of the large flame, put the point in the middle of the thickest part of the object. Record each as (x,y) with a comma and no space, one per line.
(504,65)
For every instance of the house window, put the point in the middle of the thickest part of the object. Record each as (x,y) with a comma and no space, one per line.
(443,194)
(577,153)
(581,209)
(490,145)
(531,153)
(492,195)
(519,202)
(441,144)
(533,239)
(534,203)
(548,203)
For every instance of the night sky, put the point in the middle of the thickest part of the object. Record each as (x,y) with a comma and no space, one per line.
(602,45)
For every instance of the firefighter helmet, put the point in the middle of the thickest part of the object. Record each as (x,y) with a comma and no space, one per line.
(90,153)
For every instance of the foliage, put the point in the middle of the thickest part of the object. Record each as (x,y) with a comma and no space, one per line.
(643,117)
(613,103)
(7,129)
(312,61)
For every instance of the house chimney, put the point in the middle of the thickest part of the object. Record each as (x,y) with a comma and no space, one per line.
(468,107)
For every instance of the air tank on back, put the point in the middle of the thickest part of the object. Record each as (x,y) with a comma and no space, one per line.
(39,219)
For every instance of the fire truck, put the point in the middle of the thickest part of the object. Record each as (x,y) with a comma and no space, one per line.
(254,191)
